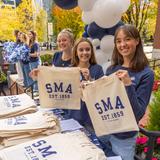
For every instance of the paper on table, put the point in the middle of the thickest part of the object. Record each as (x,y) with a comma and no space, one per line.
(69,125)
(114,158)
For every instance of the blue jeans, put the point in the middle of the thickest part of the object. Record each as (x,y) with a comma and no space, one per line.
(27,79)
(121,147)
(35,65)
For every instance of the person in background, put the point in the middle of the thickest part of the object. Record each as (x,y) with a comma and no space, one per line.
(65,42)
(34,54)
(17,34)
(84,57)
(130,65)
(25,62)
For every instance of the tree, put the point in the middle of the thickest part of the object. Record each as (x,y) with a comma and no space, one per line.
(67,19)
(156,44)
(41,25)
(140,14)
(8,22)
(25,15)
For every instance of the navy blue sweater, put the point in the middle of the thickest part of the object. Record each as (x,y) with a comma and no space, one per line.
(58,62)
(138,93)
(35,48)
(82,115)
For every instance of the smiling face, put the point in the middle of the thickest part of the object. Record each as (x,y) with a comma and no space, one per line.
(84,52)
(64,42)
(126,45)
(21,37)
(30,35)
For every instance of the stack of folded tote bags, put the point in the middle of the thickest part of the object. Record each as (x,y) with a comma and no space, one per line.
(22,128)
(66,146)
(20,120)
(15,105)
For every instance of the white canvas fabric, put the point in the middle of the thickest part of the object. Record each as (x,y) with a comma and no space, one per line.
(109,106)
(59,87)
(21,128)
(19,71)
(16,105)
(68,146)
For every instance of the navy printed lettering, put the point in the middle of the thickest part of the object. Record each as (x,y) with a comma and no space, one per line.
(107,105)
(98,107)
(69,89)
(119,104)
(49,88)
(39,143)
(45,151)
(58,88)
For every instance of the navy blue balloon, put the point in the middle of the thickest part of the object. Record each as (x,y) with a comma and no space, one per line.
(66,4)
(94,31)
(86,27)
(85,34)
(112,30)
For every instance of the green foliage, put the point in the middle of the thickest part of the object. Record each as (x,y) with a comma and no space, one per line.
(8,22)
(157,73)
(46,58)
(142,14)
(154,116)
(68,19)
(25,15)
(3,77)
(41,25)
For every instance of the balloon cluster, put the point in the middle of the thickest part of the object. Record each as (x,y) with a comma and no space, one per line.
(14,52)
(102,18)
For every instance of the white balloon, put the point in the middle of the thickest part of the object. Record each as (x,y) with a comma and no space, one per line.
(105,66)
(96,42)
(86,5)
(103,59)
(107,44)
(87,17)
(125,4)
(89,38)
(107,13)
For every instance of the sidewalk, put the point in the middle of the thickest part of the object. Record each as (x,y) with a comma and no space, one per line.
(42,52)
(148,50)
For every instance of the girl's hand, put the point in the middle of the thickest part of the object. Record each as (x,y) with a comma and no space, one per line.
(86,74)
(82,84)
(34,74)
(124,77)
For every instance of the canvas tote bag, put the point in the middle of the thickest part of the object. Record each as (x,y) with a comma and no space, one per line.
(59,87)
(19,71)
(109,106)
(67,146)
(16,105)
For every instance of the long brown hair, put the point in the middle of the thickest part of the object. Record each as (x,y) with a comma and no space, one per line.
(139,60)
(34,39)
(75,59)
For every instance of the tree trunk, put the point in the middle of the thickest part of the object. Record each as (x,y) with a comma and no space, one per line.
(156,44)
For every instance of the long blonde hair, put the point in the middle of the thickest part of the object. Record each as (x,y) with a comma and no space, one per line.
(69,33)
(25,38)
